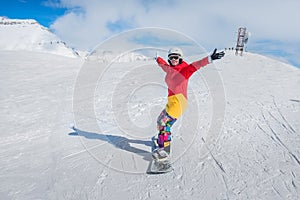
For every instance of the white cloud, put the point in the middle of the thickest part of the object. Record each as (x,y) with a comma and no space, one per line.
(210,23)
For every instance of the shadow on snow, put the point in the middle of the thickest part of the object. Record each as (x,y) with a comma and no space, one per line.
(119,142)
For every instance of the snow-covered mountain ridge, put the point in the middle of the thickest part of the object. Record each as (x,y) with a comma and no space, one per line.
(28,34)
(6,21)
(109,56)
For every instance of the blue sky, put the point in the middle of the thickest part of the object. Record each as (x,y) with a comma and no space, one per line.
(31,9)
(85,23)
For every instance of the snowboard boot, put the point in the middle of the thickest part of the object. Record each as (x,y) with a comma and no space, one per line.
(163,144)
(164,141)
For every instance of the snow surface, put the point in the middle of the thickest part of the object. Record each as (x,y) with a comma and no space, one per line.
(254,154)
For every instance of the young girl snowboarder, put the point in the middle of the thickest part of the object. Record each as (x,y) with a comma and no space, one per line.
(178,73)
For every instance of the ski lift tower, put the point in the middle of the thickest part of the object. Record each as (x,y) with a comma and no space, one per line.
(240,41)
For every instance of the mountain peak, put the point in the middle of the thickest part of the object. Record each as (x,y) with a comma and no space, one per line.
(7,21)
(28,34)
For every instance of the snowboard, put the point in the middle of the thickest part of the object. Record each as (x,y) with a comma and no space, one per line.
(160,166)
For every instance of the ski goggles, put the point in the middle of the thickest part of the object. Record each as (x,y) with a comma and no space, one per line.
(174,57)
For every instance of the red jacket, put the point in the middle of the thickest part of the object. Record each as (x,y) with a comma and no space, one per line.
(177,78)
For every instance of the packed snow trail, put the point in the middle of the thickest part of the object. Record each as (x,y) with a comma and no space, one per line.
(255,156)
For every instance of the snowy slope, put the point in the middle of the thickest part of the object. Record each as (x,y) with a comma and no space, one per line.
(254,155)
(17,34)
(109,56)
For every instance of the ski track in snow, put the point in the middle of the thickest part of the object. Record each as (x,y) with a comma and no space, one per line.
(255,156)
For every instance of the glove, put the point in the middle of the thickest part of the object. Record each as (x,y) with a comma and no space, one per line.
(215,55)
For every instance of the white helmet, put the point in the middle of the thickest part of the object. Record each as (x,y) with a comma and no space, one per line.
(175,51)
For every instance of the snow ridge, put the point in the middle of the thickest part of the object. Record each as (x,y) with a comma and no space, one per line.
(29,35)
(109,56)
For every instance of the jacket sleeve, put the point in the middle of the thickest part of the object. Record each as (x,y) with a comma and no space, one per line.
(163,64)
(201,63)
(196,65)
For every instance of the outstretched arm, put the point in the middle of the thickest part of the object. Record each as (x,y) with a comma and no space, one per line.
(209,59)
(200,63)
(162,63)
(203,62)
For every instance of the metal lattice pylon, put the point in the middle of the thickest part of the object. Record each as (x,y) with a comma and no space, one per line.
(240,41)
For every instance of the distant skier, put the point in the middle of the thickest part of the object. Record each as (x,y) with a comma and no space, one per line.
(178,73)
